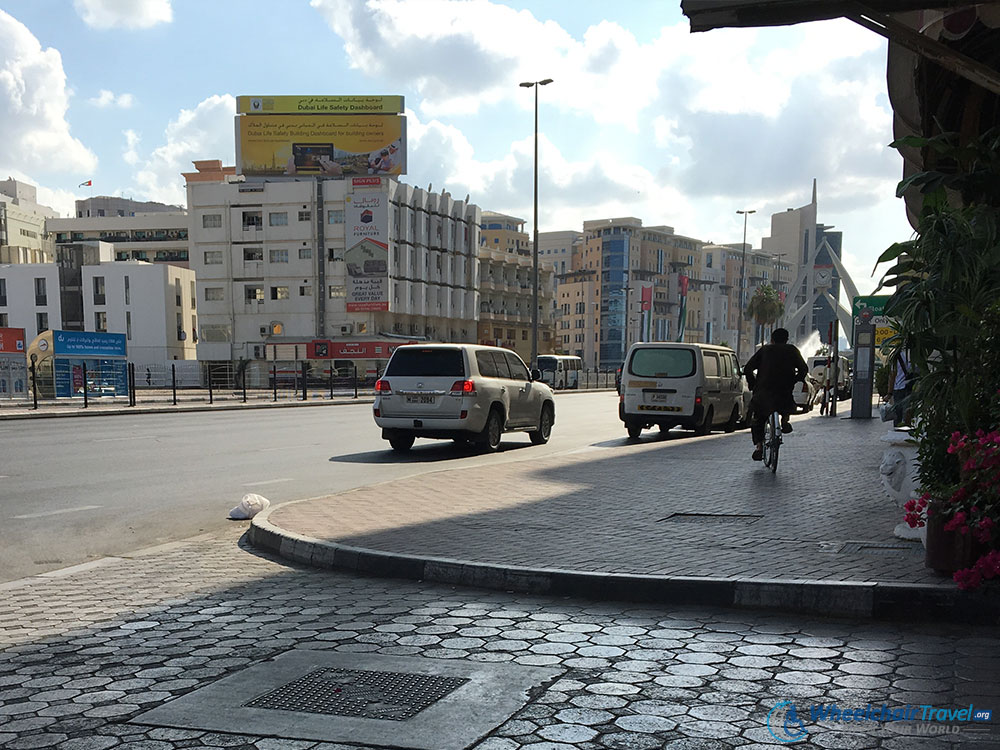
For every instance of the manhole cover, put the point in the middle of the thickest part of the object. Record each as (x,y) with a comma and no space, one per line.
(710,518)
(353,692)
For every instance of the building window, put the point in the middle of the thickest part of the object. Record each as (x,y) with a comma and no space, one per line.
(305,291)
(177,293)
(99,298)
(305,253)
(128,292)
(305,215)
(211,221)
(194,329)
(100,321)
(253,293)
(253,253)
(277,256)
(279,292)
(214,294)
(3,320)
(252,220)
(337,292)
(180,327)
(335,216)
(213,257)
(3,293)
(194,296)
(40,297)
(42,322)
(278,219)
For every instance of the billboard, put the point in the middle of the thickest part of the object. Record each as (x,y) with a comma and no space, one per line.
(331,105)
(366,237)
(12,341)
(328,145)
(88,344)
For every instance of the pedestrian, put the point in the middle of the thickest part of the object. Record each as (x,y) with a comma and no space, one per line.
(902,387)
(149,377)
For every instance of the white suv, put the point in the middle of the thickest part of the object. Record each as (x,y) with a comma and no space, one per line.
(463,392)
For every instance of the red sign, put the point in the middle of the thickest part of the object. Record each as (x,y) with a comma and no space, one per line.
(12,340)
(366,181)
(320,349)
(647,298)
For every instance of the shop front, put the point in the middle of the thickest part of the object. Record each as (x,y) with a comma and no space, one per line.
(13,364)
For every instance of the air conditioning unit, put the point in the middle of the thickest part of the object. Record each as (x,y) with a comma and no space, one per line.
(347,330)
(258,351)
(265,330)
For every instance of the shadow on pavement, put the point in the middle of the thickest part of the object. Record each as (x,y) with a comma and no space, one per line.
(423,453)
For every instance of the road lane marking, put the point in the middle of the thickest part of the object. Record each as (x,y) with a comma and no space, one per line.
(59,512)
(135,437)
(269,481)
(287,447)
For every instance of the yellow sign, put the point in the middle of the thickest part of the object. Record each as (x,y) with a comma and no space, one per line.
(328,145)
(309,105)
(882,333)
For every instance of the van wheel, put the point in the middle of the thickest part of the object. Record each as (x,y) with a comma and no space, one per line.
(541,435)
(734,420)
(634,429)
(706,427)
(401,444)
(490,437)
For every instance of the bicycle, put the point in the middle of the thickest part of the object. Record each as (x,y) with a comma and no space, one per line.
(772,441)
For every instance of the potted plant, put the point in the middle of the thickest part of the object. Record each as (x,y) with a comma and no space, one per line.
(946,281)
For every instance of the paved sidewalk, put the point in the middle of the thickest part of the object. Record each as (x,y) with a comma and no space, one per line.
(681,519)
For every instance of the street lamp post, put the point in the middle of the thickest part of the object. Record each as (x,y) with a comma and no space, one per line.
(743,273)
(534,253)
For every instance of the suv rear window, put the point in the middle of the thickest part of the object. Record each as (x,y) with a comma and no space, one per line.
(425,363)
(662,363)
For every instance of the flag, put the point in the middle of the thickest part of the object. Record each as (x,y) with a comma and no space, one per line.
(682,316)
(88,183)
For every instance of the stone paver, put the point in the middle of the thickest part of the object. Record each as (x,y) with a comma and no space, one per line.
(83,653)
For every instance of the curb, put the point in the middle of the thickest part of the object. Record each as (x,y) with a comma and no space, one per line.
(880,601)
(171,409)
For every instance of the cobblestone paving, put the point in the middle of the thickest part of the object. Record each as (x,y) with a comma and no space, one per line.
(82,652)
(682,506)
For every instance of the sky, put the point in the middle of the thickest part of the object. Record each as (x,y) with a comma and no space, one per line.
(643,118)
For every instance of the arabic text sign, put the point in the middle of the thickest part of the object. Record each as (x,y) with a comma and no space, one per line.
(321,145)
(12,340)
(303,105)
(88,344)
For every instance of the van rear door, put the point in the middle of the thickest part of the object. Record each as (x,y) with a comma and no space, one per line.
(661,381)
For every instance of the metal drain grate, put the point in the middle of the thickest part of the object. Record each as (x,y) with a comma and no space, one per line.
(880,549)
(350,692)
(710,518)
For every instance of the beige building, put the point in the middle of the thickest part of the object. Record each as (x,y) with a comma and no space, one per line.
(506,271)
(159,237)
(23,238)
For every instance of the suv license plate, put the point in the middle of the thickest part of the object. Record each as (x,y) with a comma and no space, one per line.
(420,399)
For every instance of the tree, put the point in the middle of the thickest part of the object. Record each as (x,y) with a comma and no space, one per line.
(765,307)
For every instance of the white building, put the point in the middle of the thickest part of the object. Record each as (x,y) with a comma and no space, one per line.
(160,237)
(30,298)
(300,259)
(110,205)
(154,305)
(555,249)
(23,237)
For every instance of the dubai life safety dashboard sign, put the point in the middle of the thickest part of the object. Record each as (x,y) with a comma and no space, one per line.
(366,216)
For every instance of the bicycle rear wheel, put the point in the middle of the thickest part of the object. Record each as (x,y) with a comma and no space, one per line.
(772,441)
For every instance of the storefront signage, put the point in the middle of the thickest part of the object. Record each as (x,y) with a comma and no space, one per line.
(88,344)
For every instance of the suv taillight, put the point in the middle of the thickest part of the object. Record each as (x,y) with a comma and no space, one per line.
(382,386)
(463,388)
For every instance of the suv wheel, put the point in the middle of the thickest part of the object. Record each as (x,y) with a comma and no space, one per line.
(493,431)
(401,443)
(541,435)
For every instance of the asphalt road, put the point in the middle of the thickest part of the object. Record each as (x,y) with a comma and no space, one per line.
(74,490)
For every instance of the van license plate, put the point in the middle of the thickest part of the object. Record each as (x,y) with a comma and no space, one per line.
(659,398)
(420,399)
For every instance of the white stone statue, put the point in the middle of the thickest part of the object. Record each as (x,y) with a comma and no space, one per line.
(898,473)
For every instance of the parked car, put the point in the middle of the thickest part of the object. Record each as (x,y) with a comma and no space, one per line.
(697,386)
(818,369)
(461,392)
(805,394)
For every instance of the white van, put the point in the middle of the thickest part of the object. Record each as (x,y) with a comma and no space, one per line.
(696,386)
(817,368)
(560,370)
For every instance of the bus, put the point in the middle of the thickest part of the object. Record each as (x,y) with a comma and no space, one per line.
(560,370)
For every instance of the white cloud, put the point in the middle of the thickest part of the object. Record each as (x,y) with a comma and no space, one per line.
(205,132)
(130,155)
(127,14)
(107,98)
(34,134)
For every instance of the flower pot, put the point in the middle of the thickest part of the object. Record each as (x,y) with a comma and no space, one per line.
(948,551)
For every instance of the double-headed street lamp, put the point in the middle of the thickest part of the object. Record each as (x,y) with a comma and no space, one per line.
(743,273)
(534,254)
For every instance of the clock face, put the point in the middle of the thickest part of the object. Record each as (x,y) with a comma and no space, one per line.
(822,277)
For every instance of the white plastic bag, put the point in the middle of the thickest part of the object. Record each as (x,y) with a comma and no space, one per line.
(249,507)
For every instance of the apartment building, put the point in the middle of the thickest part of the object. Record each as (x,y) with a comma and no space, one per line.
(506,272)
(23,238)
(159,237)
(111,206)
(295,260)
(30,298)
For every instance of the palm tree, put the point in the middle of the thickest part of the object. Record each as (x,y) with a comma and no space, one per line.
(765,307)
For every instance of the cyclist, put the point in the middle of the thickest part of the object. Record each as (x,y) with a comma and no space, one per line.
(772,373)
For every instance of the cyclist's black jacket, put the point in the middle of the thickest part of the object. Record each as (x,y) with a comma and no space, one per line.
(771,373)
